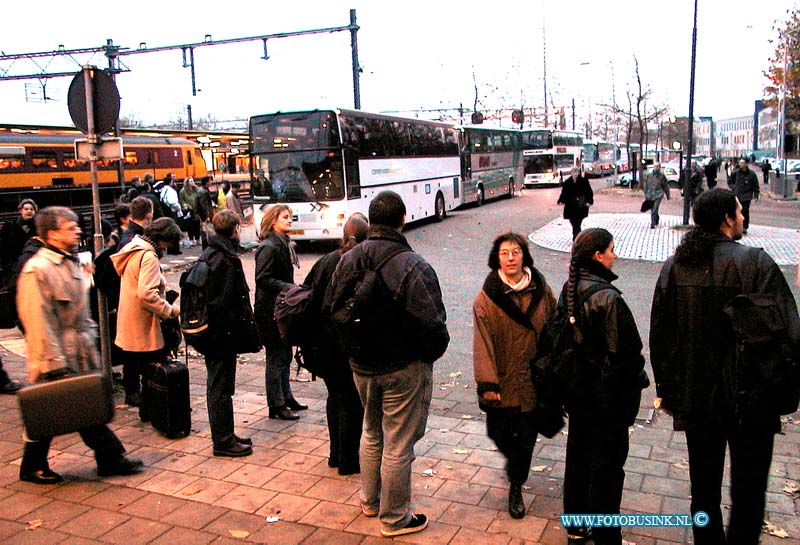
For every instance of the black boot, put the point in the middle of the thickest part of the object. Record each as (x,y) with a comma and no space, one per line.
(516,505)
(578,536)
(295,405)
(34,467)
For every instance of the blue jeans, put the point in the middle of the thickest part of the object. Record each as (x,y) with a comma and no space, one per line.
(276,374)
(396,409)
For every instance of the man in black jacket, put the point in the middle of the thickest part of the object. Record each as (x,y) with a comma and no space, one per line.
(744,184)
(233,332)
(694,356)
(393,367)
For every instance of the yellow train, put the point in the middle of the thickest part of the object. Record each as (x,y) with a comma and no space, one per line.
(44,167)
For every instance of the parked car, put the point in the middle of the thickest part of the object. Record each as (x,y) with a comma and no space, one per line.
(670,171)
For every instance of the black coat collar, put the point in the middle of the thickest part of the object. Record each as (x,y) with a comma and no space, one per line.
(500,293)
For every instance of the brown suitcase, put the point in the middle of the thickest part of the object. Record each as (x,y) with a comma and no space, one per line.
(66,405)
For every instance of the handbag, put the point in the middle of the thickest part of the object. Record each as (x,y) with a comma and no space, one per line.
(66,405)
(647,205)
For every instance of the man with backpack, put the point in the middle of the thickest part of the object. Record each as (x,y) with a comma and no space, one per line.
(386,304)
(230,327)
(722,388)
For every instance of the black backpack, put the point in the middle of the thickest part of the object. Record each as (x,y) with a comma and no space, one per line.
(366,314)
(194,305)
(560,369)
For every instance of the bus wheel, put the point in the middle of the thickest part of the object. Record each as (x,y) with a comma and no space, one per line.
(511,188)
(480,199)
(439,208)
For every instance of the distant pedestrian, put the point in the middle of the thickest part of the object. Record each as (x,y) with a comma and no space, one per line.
(393,367)
(222,195)
(14,234)
(233,202)
(204,207)
(744,184)
(656,187)
(765,168)
(232,330)
(597,443)
(191,222)
(711,173)
(61,339)
(509,314)
(719,400)
(576,196)
(275,263)
(343,408)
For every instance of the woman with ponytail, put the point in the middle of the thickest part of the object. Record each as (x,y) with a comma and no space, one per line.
(599,417)
(509,314)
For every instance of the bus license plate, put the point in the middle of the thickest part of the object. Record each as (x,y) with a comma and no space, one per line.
(297,232)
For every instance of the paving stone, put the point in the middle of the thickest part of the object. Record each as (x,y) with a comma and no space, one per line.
(332,490)
(245,498)
(205,490)
(115,498)
(136,531)
(167,482)
(335,516)
(291,481)
(468,516)
(37,537)
(18,505)
(154,506)
(287,507)
(55,513)
(529,527)
(464,493)
(94,523)
(185,536)
(468,536)
(325,536)
(194,515)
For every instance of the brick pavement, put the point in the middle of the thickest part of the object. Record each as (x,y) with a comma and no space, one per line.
(187,496)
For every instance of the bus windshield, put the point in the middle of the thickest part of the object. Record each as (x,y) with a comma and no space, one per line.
(589,153)
(538,164)
(300,176)
(297,157)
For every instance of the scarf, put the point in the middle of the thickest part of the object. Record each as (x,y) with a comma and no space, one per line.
(519,286)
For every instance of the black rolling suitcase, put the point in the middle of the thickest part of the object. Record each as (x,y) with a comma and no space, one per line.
(165,400)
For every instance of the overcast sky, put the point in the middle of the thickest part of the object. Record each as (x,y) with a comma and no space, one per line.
(414,54)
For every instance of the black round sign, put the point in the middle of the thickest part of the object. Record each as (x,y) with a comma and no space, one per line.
(105,102)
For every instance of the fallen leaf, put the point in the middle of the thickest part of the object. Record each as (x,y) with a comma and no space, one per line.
(456,374)
(33,524)
(540,468)
(460,451)
(775,531)
(192,490)
(681,465)
(239,534)
(467,416)
(272,519)
(429,472)
(792,488)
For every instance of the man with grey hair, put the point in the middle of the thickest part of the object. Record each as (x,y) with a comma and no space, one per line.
(53,303)
(656,188)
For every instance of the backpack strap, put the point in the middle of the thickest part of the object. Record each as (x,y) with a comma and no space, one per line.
(582,298)
(389,257)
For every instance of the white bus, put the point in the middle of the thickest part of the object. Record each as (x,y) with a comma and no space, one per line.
(328,164)
(599,158)
(550,154)
(491,166)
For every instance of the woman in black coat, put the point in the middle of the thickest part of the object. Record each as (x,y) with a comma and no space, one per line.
(610,390)
(576,196)
(275,262)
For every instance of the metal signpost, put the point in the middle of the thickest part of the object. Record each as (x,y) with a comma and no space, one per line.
(93,103)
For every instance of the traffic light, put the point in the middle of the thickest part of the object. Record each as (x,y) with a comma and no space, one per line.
(477,118)
(518,116)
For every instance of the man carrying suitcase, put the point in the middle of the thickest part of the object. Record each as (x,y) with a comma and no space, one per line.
(53,306)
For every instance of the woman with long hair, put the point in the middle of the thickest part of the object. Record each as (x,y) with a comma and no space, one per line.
(275,262)
(610,390)
(509,314)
